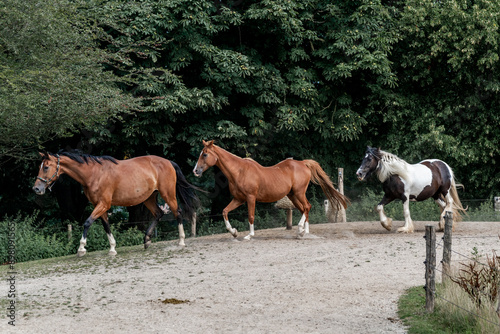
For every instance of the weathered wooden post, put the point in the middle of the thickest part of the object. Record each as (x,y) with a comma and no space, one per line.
(343,217)
(70,229)
(430,265)
(287,205)
(193,226)
(446,262)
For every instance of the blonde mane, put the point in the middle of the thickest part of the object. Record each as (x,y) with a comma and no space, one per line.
(390,164)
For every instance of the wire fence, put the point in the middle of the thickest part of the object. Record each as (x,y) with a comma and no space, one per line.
(474,259)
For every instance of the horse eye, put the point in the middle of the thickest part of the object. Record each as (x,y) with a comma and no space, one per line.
(205,155)
(45,168)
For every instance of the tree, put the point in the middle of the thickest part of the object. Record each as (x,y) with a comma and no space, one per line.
(53,80)
(446,104)
(256,75)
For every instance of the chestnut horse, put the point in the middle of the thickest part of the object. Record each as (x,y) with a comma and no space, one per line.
(107,181)
(400,180)
(250,182)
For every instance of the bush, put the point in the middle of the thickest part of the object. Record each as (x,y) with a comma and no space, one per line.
(34,243)
(30,244)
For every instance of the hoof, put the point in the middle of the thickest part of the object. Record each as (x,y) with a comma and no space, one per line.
(112,253)
(301,234)
(248,237)
(388,224)
(405,230)
(147,244)
(234,232)
(181,244)
(81,253)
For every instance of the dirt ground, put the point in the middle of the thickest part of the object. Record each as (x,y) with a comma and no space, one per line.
(342,278)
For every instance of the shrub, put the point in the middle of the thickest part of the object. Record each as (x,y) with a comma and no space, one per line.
(30,244)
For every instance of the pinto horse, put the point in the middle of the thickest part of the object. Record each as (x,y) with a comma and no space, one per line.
(418,182)
(250,182)
(107,181)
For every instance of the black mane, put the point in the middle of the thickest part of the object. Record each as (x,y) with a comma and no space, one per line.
(81,157)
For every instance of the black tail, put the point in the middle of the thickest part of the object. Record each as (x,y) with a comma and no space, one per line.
(185,192)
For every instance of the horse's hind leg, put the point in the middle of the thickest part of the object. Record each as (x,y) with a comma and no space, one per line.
(112,242)
(304,207)
(169,195)
(151,204)
(445,205)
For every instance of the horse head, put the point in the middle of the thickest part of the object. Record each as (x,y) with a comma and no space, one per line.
(208,158)
(369,164)
(48,174)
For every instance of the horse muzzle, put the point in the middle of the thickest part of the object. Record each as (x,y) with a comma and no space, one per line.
(39,189)
(361,176)
(197,171)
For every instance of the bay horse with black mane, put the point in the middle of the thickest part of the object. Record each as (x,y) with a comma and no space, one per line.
(107,181)
(428,179)
(250,182)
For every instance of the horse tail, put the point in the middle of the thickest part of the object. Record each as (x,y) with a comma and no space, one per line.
(457,207)
(186,194)
(318,176)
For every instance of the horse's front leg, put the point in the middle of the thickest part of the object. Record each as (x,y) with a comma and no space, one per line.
(384,220)
(408,228)
(99,210)
(251,217)
(231,206)
(112,242)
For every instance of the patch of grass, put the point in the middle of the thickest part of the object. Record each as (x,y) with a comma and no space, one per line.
(411,310)
(454,312)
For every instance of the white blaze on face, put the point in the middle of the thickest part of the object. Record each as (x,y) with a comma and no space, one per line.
(196,167)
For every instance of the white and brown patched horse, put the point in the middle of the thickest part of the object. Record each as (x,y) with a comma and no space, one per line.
(400,180)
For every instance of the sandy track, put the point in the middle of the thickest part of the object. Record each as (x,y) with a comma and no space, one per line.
(343,278)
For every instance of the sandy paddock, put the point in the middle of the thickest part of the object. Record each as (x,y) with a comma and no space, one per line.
(342,278)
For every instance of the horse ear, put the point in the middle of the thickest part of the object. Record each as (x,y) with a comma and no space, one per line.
(44,154)
(208,143)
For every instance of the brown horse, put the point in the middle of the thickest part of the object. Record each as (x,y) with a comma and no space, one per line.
(250,182)
(107,181)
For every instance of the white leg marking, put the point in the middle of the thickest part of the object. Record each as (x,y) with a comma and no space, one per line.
(301,230)
(112,244)
(306,227)
(384,220)
(251,234)
(231,230)
(182,235)
(81,249)
(408,228)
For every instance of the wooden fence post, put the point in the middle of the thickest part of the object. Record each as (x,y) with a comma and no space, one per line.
(70,229)
(289,219)
(430,265)
(343,217)
(446,262)
(193,226)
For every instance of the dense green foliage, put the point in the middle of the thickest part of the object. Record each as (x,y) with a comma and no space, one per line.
(52,83)
(265,78)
